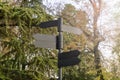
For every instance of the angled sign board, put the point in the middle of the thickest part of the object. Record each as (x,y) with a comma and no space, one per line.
(71,29)
(45,41)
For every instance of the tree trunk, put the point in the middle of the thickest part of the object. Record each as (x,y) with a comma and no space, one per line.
(97,60)
(97,38)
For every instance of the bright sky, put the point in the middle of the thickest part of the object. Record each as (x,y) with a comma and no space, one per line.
(109,25)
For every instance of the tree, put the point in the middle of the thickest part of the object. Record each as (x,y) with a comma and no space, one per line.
(91,33)
(77,18)
(95,37)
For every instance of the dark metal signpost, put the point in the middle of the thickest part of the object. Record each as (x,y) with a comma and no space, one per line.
(50,41)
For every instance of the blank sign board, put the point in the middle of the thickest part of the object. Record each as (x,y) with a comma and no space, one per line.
(73,30)
(45,41)
(49,24)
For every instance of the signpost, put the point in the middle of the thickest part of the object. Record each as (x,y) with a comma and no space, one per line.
(50,41)
(58,24)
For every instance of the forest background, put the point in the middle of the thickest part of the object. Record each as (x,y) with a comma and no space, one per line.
(21,60)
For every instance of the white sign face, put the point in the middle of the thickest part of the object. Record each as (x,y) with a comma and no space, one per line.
(45,41)
(70,29)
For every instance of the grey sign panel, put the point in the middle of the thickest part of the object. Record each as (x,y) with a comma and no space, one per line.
(70,29)
(45,41)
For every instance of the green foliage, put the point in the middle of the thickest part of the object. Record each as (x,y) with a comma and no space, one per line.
(19,59)
(115,63)
(84,71)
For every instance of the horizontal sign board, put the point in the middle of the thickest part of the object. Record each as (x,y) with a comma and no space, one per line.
(68,58)
(45,41)
(67,55)
(70,29)
(48,24)
(68,62)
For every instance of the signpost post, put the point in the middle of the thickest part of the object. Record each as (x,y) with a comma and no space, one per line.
(60,45)
(49,41)
(59,40)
